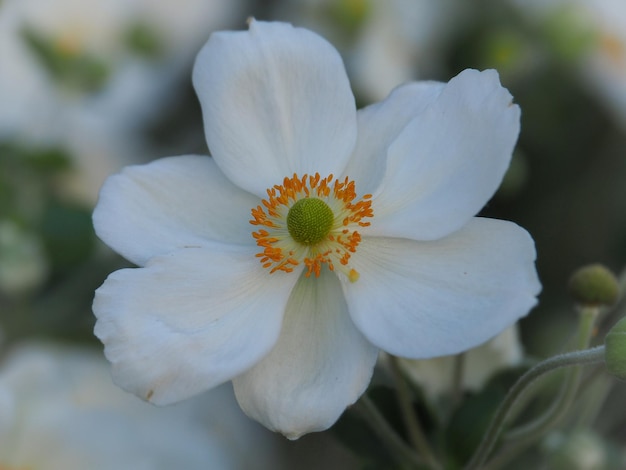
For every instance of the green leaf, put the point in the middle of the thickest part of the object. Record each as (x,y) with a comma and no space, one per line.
(470,420)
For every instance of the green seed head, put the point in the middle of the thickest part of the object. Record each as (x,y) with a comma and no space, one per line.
(309,220)
(594,285)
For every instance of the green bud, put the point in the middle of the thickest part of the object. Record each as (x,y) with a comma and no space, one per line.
(615,350)
(594,286)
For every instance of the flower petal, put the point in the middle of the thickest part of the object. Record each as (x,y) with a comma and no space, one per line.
(189,320)
(378,126)
(426,299)
(448,161)
(174,202)
(276,100)
(320,365)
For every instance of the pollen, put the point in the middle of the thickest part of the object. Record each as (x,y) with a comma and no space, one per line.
(311,221)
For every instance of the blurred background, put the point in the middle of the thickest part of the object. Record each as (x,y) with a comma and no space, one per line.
(89,86)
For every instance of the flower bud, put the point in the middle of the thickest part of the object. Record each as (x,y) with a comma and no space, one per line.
(615,350)
(594,286)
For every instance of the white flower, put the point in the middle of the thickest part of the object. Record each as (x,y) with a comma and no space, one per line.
(436,376)
(59,411)
(241,280)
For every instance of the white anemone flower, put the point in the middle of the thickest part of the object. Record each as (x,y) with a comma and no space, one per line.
(314,236)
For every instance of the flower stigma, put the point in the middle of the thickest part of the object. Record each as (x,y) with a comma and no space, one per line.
(311,220)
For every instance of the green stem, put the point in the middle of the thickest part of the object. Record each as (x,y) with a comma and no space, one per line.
(574,358)
(403,454)
(457,379)
(537,428)
(416,435)
(585,415)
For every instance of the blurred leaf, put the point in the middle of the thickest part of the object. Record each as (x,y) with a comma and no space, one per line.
(350,15)
(144,41)
(569,34)
(48,160)
(68,235)
(26,178)
(67,65)
(470,420)
(506,49)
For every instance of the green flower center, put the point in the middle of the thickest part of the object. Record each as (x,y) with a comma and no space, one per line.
(309,220)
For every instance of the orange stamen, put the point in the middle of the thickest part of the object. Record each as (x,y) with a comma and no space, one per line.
(282,253)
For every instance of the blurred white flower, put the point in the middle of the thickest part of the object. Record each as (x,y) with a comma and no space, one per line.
(388,43)
(84,75)
(60,411)
(436,376)
(400,41)
(314,236)
(579,449)
(601,24)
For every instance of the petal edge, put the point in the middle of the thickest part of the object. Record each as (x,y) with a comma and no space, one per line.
(428,299)
(275,99)
(175,328)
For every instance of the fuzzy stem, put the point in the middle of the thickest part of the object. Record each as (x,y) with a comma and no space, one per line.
(574,358)
(413,428)
(536,428)
(402,453)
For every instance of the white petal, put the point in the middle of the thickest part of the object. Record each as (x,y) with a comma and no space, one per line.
(189,320)
(276,100)
(153,209)
(378,126)
(320,365)
(448,161)
(426,299)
